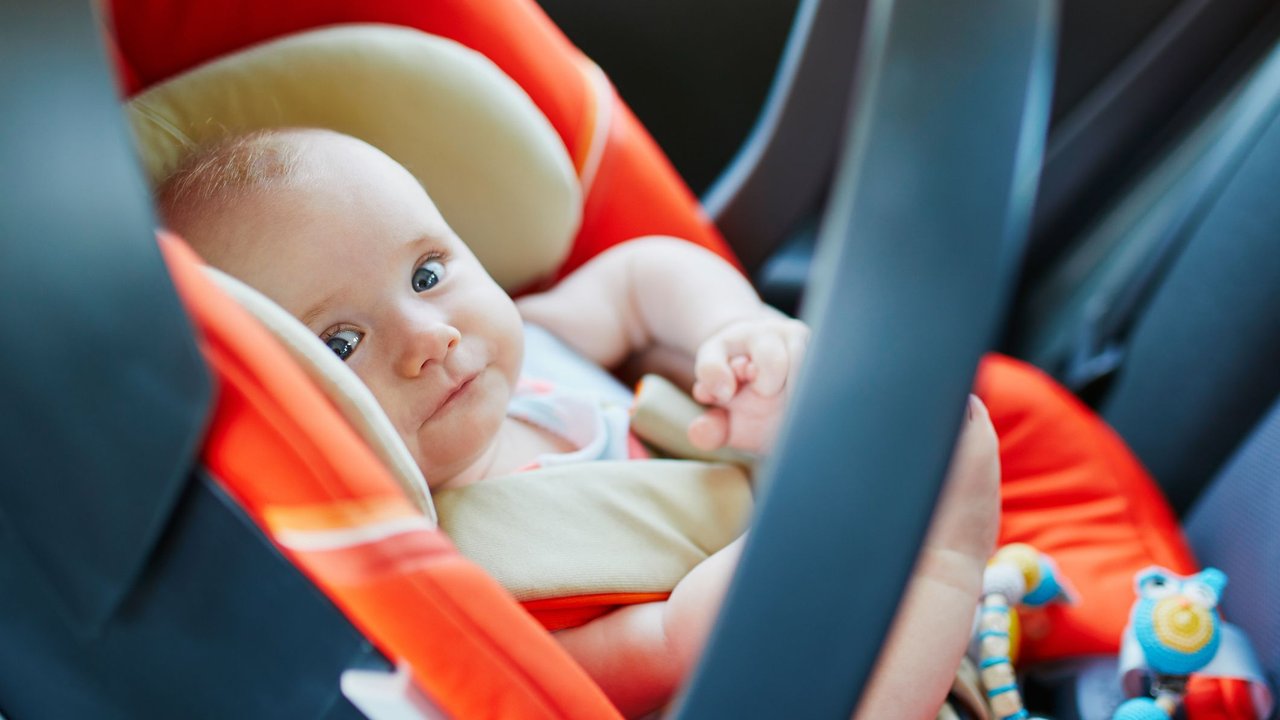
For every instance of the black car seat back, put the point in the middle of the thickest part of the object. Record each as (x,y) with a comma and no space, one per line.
(1131,78)
(1233,528)
(1167,317)
(781,174)
(695,72)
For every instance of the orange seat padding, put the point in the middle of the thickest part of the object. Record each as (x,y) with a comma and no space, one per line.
(317,491)
(566,612)
(1219,699)
(1072,489)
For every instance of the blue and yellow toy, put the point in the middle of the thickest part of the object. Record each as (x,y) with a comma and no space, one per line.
(1176,623)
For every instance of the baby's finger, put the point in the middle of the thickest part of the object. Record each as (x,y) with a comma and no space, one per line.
(710,430)
(711,370)
(796,346)
(703,394)
(743,369)
(769,356)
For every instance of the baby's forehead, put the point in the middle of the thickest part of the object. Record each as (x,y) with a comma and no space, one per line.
(224,171)
(267,195)
(282,161)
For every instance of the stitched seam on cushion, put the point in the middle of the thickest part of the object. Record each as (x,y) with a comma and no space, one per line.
(156,118)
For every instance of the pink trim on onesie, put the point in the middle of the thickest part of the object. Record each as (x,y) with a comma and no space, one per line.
(598,428)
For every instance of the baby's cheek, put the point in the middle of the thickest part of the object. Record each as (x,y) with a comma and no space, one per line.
(387,400)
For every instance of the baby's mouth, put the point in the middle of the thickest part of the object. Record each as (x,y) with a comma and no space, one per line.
(451,396)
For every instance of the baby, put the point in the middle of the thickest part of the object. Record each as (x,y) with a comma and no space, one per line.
(346,240)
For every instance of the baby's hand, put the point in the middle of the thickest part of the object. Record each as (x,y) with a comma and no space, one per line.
(746,372)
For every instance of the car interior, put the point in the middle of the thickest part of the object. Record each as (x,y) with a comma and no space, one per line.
(1084,186)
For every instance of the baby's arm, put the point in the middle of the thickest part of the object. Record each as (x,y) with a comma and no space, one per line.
(646,292)
(673,297)
(639,654)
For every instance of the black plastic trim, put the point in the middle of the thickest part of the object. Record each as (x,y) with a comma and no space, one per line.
(783,169)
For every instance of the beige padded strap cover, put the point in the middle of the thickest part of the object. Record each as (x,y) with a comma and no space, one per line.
(489,158)
(661,415)
(634,526)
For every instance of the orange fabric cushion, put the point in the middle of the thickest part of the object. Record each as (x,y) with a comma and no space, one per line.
(1072,489)
(560,613)
(1217,699)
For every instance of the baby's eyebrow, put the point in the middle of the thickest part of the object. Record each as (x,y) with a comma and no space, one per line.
(317,310)
(431,238)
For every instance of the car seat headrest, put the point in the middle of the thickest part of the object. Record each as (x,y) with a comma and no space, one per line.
(352,398)
(488,157)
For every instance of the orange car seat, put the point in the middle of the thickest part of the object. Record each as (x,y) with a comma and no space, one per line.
(1055,500)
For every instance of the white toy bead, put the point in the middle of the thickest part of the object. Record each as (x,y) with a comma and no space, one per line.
(1006,580)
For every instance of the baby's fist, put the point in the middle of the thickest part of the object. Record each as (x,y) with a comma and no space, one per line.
(746,372)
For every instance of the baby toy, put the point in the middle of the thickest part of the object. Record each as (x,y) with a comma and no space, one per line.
(1176,623)
(1017,574)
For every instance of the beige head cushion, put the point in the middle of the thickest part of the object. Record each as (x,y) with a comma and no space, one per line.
(485,153)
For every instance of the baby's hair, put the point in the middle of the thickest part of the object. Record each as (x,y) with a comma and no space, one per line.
(216,172)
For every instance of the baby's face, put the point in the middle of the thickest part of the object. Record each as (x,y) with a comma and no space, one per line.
(361,255)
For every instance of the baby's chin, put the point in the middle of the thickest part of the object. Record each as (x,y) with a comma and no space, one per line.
(441,476)
(447,472)
(458,454)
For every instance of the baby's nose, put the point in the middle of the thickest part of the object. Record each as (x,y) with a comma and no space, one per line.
(426,343)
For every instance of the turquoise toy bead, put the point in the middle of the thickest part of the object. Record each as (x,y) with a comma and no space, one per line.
(1140,709)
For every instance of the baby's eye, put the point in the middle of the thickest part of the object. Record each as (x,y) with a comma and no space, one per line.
(428,275)
(343,343)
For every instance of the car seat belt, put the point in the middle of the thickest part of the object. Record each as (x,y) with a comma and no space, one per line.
(106,394)
(928,217)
